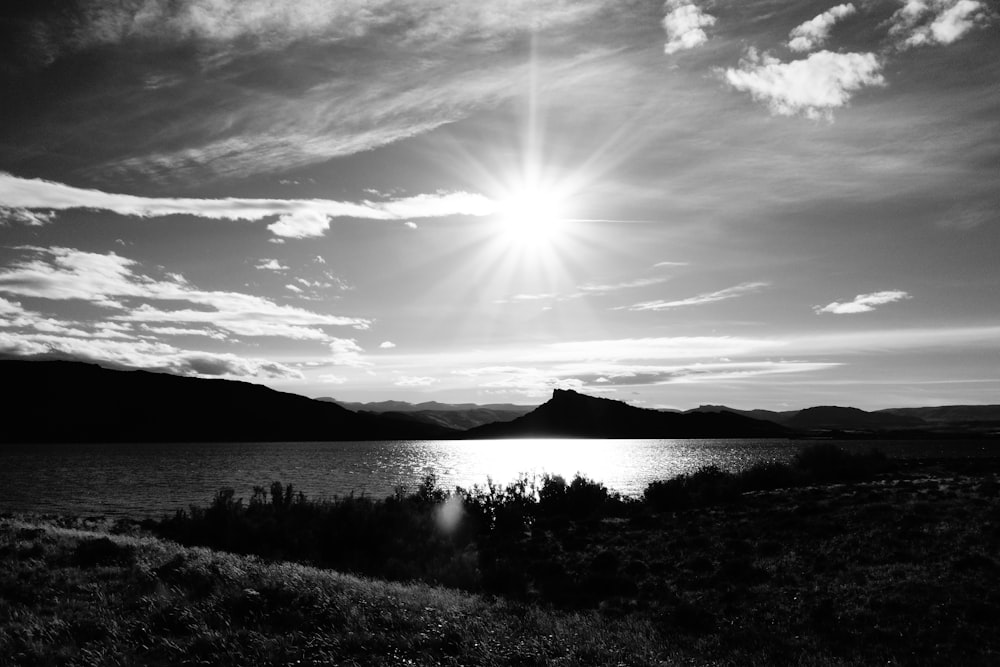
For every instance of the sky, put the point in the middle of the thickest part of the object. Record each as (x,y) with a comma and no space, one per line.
(757,203)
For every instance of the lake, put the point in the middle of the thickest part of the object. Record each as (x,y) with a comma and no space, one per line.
(151,479)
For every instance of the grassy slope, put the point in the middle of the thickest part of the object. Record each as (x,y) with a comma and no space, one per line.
(70,596)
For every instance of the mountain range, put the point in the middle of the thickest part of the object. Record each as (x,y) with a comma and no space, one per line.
(460,416)
(68,401)
(946,420)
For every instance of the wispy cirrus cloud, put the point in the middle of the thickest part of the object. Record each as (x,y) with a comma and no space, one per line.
(863,303)
(814,32)
(586,289)
(813,86)
(597,376)
(684,24)
(297,218)
(609,364)
(603,288)
(180,331)
(708,297)
(377,72)
(713,371)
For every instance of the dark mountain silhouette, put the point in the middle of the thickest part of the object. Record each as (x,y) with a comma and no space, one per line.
(428,406)
(459,416)
(766,415)
(68,401)
(455,419)
(569,414)
(950,414)
(829,417)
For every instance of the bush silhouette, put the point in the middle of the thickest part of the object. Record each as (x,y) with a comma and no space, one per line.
(503,538)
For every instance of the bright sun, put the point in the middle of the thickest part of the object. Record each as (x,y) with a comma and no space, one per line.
(531,218)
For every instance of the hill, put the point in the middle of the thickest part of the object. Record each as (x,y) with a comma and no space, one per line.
(69,401)
(765,415)
(569,414)
(829,417)
(460,416)
(951,414)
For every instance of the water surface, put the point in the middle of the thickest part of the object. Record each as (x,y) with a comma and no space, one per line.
(149,479)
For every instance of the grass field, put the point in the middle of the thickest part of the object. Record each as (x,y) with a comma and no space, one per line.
(899,568)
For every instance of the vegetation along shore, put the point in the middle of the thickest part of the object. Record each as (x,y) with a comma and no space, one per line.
(831,559)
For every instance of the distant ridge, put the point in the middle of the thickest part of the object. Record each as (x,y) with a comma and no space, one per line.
(951,414)
(459,416)
(569,414)
(69,401)
(403,406)
(766,415)
(827,417)
(946,421)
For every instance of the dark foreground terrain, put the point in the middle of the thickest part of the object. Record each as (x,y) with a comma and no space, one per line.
(881,564)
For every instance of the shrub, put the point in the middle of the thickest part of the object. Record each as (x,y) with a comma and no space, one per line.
(827,462)
(103,552)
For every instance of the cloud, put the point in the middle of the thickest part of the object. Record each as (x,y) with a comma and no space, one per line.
(178,331)
(896,340)
(66,273)
(10,307)
(148,355)
(347,352)
(601,376)
(412,381)
(584,290)
(387,345)
(271,265)
(684,25)
(709,297)
(863,303)
(599,288)
(659,265)
(533,369)
(540,296)
(332,379)
(526,380)
(649,350)
(14,316)
(929,22)
(438,205)
(813,87)
(300,225)
(111,282)
(410,224)
(814,32)
(297,218)
(700,372)
(23,216)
